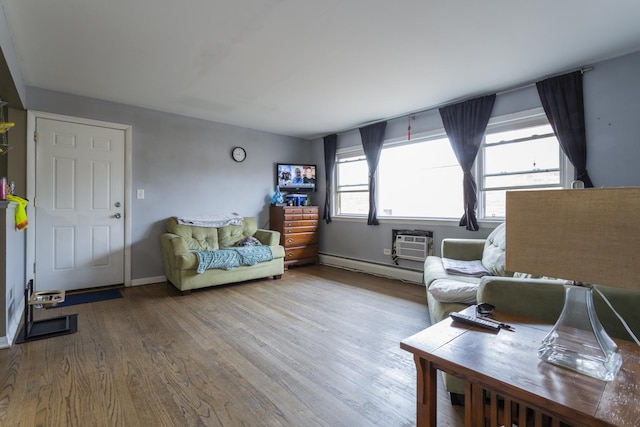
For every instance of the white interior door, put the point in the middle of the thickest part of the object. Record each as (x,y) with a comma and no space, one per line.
(79,237)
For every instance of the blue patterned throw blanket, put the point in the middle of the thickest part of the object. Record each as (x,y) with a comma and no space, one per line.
(230,258)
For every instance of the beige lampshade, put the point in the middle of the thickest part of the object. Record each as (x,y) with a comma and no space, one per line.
(586,235)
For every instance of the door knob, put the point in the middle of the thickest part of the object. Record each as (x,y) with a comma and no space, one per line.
(117,216)
(117,205)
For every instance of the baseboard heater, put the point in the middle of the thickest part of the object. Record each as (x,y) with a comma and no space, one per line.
(392,272)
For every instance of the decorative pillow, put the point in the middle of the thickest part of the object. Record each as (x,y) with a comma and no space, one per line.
(249,241)
(493,255)
(444,290)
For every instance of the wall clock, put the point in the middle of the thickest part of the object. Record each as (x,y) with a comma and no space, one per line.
(238,154)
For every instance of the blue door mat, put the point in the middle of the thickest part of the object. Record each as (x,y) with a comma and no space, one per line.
(83,298)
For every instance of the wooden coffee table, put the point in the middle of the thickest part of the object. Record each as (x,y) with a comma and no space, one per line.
(506,380)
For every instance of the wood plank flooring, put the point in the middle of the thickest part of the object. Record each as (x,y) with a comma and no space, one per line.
(319,347)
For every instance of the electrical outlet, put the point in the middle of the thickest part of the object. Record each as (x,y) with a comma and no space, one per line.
(386,251)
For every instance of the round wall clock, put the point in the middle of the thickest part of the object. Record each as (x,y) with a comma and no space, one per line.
(238,154)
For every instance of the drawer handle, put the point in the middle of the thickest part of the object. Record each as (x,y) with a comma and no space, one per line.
(313,223)
(289,240)
(289,224)
(290,254)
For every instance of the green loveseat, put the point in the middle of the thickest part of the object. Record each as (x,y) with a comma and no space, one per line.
(180,263)
(517,293)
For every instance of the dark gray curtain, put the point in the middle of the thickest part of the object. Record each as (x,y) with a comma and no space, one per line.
(563,103)
(330,143)
(372,139)
(465,124)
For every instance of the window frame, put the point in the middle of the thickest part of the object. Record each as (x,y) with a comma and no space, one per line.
(341,155)
(522,119)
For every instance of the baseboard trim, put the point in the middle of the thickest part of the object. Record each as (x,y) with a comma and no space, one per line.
(390,272)
(148,280)
(397,273)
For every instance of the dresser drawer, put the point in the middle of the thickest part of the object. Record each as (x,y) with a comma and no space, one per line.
(301,223)
(293,217)
(292,211)
(296,229)
(299,239)
(300,216)
(298,253)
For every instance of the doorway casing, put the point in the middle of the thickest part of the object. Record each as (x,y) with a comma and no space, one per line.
(32,116)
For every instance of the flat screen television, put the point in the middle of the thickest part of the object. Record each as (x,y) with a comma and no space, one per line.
(296,178)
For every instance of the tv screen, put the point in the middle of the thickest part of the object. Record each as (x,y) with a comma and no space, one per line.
(296,177)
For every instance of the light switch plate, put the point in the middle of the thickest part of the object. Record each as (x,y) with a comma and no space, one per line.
(140,193)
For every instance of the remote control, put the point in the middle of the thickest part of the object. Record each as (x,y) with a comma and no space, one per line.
(475,321)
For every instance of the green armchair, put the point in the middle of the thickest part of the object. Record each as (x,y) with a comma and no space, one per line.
(517,293)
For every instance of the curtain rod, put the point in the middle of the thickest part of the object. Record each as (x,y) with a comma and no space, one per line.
(462,99)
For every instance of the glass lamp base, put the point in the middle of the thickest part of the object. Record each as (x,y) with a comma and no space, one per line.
(578,341)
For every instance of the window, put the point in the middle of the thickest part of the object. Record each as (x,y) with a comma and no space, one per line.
(520,156)
(404,171)
(422,178)
(352,184)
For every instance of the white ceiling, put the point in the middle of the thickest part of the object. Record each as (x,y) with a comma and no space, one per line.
(307,68)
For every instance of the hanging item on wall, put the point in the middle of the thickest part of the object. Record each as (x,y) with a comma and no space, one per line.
(409,130)
(238,154)
(4,127)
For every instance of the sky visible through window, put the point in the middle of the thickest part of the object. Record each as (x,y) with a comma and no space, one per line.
(423,179)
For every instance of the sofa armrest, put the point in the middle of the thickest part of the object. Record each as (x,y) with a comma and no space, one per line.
(176,253)
(462,249)
(543,299)
(268,237)
(540,299)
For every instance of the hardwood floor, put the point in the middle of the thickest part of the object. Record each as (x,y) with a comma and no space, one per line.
(319,347)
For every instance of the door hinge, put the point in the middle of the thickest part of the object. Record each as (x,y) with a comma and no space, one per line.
(35,202)
(35,136)
(34,268)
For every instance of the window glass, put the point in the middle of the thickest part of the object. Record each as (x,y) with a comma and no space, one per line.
(420,179)
(522,158)
(352,185)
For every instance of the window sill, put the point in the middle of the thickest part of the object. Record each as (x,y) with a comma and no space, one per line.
(446,222)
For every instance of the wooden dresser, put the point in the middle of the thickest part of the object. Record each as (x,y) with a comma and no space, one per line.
(298,227)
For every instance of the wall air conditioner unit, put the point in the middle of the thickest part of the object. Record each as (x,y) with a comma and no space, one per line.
(412,247)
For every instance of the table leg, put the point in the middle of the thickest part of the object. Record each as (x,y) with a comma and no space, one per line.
(427,393)
(468,413)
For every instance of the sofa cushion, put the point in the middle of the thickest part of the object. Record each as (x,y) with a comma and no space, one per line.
(494,248)
(196,238)
(229,235)
(445,290)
